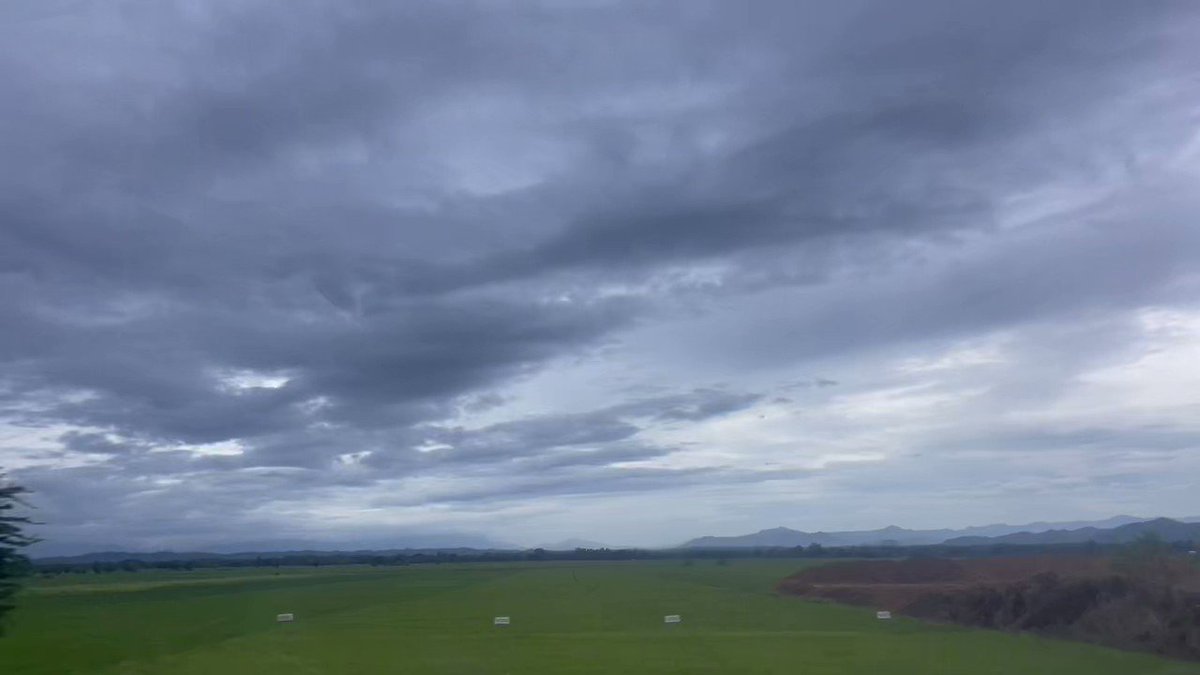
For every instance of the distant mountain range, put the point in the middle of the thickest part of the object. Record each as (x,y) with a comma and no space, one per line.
(1117,527)
(172,556)
(1115,530)
(1169,530)
(425,541)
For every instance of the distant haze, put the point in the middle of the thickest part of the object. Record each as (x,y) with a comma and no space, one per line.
(359,274)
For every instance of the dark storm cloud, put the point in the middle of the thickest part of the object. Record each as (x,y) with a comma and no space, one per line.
(321,233)
(550,455)
(157,376)
(1095,265)
(595,437)
(94,444)
(595,480)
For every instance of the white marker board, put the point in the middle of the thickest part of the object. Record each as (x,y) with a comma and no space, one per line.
(672,618)
(883,615)
(285,618)
(501,621)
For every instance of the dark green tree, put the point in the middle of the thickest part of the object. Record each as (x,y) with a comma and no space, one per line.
(13,537)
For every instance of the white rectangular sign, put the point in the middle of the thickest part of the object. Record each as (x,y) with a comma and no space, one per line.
(285,618)
(672,618)
(500,621)
(883,615)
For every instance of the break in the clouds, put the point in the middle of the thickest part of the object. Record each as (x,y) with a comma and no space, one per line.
(367,273)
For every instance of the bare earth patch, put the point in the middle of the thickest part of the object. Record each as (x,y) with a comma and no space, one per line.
(1083,598)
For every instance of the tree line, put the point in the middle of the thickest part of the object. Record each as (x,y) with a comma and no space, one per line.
(380,559)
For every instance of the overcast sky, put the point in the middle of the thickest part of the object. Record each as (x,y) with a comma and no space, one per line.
(373,274)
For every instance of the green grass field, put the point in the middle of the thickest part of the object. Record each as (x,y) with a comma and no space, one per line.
(567,618)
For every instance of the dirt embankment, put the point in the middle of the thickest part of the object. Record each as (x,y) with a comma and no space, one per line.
(1084,598)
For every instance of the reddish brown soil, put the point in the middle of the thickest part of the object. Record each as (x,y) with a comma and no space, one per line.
(894,584)
(1151,607)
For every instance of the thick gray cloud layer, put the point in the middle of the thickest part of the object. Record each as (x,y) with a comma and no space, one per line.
(362,272)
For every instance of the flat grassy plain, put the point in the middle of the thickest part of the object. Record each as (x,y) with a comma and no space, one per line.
(566,618)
